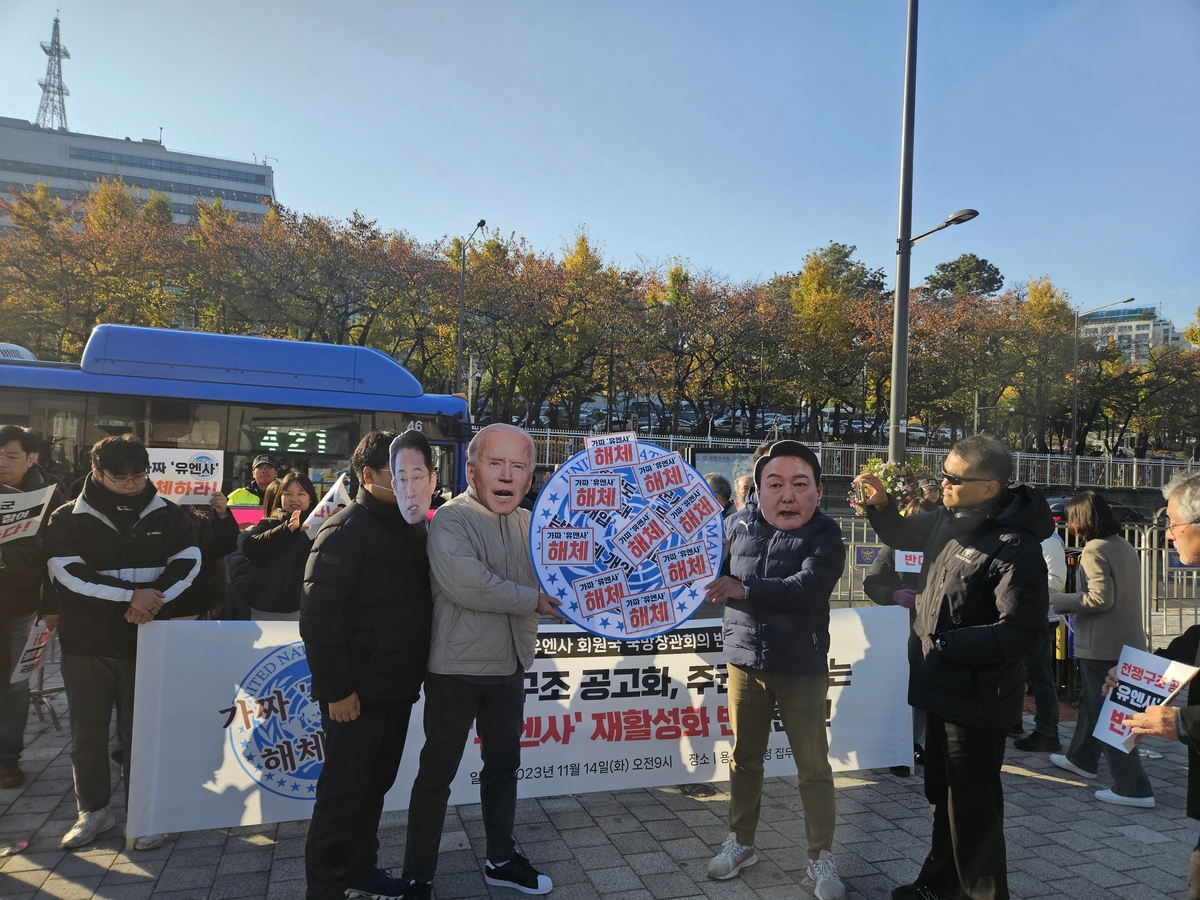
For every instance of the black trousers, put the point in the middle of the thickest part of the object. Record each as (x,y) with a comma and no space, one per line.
(962,785)
(361,759)
(94,686)
(451,704)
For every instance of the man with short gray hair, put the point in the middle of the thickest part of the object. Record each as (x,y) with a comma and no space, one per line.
(486,605)
(1169,722)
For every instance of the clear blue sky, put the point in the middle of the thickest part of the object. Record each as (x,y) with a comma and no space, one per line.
(738,136)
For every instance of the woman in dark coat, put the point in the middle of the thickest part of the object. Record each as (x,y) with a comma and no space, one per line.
(277,550)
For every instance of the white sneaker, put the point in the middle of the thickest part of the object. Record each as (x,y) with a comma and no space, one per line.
(732,859)
(87,826)
(1060,760)
(824,873)
(1122,800)
(149,842)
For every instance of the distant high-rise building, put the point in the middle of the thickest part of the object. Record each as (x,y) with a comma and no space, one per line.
(71,163)
(1135,331)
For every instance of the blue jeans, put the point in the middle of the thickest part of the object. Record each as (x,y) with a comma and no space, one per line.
(14,699)
(1039,675)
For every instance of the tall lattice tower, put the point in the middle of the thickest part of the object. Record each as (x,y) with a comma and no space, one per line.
(53,111)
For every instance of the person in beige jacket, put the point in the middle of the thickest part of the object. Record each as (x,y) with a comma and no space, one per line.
(486,605)
(1107,615)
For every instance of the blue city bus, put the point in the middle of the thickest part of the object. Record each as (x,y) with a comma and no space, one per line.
(305,404)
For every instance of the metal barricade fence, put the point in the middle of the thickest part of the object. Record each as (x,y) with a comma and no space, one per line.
(1170,595)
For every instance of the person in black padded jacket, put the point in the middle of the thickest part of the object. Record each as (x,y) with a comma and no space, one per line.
(277,548)
(366,619)
(980,612)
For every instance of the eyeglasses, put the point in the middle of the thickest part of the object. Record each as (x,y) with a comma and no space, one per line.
(960,479)
(1171,526)
(125,480)
(402,483)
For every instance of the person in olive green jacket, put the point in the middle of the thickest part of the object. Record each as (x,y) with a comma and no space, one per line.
(486,605)
(1107,615)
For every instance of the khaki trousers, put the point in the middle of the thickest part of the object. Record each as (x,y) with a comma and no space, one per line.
(753,698)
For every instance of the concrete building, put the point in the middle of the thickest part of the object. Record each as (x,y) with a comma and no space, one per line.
(71,164)
(1136,331)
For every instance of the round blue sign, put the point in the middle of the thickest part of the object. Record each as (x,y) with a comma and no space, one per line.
(627,535)
(275,725)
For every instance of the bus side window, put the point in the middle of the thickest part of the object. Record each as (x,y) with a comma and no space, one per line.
(187,425)
(59,418)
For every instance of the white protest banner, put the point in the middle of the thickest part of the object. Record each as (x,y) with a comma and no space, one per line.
(34,654)
(909,560)
(189,477)
(22,514)
(1143,680)
(634,521)
(335,498)
(243,745)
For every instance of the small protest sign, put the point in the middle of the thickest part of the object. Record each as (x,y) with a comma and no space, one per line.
(909,560)
(568,547)
(22,514)
(606,451)
(34,653)
(1143,680)
(592,492)
(601,593)
(335,498)
(188,477)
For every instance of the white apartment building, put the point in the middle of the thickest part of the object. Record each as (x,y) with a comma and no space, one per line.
(1135,330)
(70,164)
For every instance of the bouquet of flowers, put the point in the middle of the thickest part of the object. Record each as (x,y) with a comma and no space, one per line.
(900,481)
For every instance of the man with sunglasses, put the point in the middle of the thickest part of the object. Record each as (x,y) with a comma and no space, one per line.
(980,611)
(1170,723)
(119,555)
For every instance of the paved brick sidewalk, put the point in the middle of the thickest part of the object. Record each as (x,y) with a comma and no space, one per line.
(630,845)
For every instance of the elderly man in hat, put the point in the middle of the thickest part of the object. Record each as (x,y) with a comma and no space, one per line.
(786,557)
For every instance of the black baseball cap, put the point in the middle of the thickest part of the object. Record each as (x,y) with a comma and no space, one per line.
(264,460)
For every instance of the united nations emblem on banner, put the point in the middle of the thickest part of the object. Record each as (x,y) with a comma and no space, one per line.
(274,725)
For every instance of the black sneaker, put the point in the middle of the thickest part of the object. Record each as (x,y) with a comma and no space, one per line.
(901,771)
(517,873)
(418,890)
(379,885)
(1038,743)
(1019,728)
(918,755)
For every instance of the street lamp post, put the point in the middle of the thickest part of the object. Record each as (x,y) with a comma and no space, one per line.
(898,429)
(462,307)
(1075,393)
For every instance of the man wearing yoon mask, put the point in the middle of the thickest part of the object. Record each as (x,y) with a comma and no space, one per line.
(365,618)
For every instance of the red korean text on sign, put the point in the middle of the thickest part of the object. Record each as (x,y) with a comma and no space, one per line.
(601,593)
(610,450)
(595,492)
(689,514)
(643,535)
(568,546)
(681,565)
(660,475)
(651,611)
